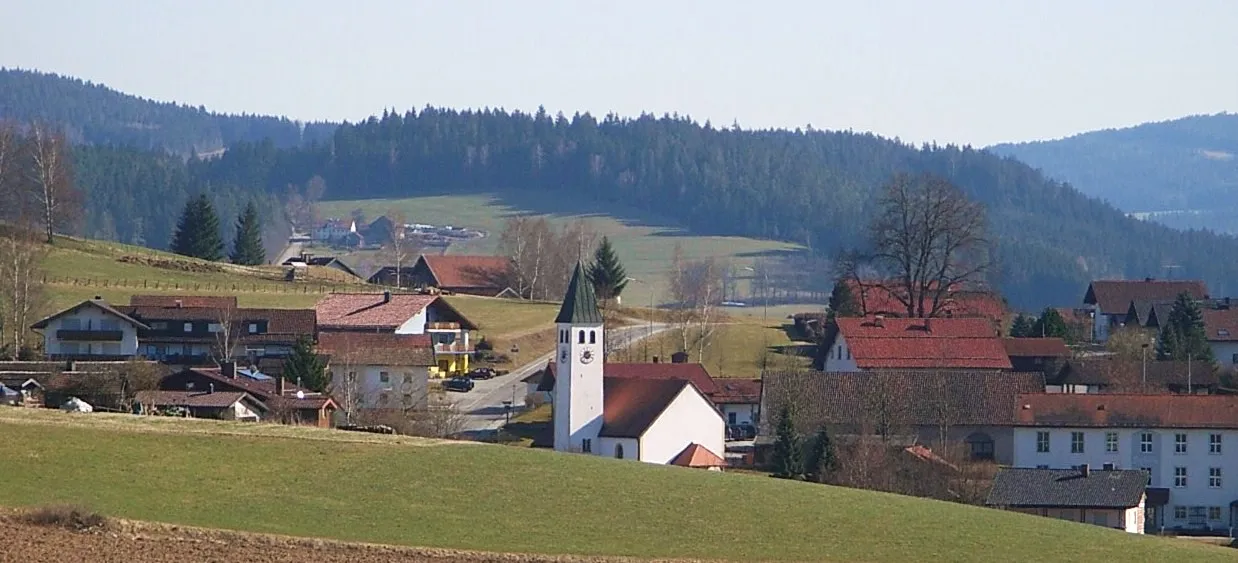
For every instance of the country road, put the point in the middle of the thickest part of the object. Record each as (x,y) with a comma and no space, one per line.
(483,406)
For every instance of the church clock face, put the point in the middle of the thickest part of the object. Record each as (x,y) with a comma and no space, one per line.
(586,356)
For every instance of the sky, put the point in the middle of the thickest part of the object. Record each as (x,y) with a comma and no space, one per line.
(951,71)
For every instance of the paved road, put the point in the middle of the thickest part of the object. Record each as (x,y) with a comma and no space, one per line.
(293,250)
(484,404)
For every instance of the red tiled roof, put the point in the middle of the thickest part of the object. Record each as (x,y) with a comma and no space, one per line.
(205,301)
(1114,297)
(1221,325)
(737,391)
(218,399)
(696,373)
(629,406)
(367,310)
(468,271)
(696,455)
(880,298)
(377,348)
(947,343)
(1036,347)
(1133,411)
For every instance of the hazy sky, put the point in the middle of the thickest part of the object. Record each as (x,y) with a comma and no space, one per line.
(977,72)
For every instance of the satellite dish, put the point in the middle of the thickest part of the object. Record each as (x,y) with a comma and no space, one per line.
(300,394)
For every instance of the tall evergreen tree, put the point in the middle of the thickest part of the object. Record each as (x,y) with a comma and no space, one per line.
(306,368)
(842,302)
(197,233)
(606,273)
(822,461)
(247,247)
(1183,337)
(1050,325)
(1021,327)
(788,448)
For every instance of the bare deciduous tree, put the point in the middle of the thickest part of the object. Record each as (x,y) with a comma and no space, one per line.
(543,258)
(696,289)
(227,335)
(51,179)
(928,241)
(21,291)
(399,249)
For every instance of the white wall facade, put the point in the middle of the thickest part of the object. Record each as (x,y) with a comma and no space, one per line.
(690,418)
(578,400)
(618,448)
(1162,462)
(739,413)
(839,358)
(414,325)
(373,392)
(1224,352)
(90,317)
(241,412)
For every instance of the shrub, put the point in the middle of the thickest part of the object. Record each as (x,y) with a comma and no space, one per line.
(67,516)
(484,345)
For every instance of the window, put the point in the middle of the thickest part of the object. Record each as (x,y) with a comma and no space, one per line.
(586,445)
(840,351)
(582,337)
(1180,477)
(253,328)
(188,327)
(1108,467)
(1111,442)
(848,354)
(1214,513)
(1197,513)
(730,418)
(1179,443)
(1145,442)
(384,377)
(1042,466)
(982,449)
(214,327)
(1214,444)
(1214,477)
(1222,332)
(71,323)
(1179,513)
(1234,359)
(593,337)
(1042,442)
(109,324)
(1076,442)
(159,325)
(110,349)
(618,451)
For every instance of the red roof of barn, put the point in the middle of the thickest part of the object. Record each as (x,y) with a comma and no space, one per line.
(696,455)
(894,343)
(468,271)
(1114,297)
(1134,411)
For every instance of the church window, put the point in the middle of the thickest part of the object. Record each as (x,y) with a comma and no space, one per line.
(618,451)
(593,337)
(582,337)
(586,445)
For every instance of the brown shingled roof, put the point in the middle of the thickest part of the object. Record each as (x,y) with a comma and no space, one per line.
(1132,411)
(202,301)
(631,405)
(458,271)
(205,399)
(1221,325)
(1114,297)
(377,349)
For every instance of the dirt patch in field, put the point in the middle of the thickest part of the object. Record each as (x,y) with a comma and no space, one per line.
(143,542)
(178,265)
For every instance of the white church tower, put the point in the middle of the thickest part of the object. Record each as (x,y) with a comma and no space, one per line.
(579,358)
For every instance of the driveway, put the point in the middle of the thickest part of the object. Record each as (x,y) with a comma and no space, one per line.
(483,406)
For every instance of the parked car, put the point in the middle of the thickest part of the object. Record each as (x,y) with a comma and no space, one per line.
(463,384)
(483,373)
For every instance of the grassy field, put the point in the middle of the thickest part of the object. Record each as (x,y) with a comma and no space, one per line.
(645,244)
(496,498)
(739,348)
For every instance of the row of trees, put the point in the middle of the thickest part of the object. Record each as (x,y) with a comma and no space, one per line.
(198,236)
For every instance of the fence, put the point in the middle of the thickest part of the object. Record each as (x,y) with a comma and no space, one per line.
(159,285)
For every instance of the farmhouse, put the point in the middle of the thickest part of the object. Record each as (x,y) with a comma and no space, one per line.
(1110,300)
(473,275)
(90,330)
(1113,498)
(917,343)
(378,370)
(653,420)
(389,313)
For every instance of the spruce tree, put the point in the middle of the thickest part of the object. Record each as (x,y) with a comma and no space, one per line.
(606,273)
(823,461)
(1021,327)
(306,368)
(1049,325)
(247,248)
(788,448)
(197,232)
(1183,336)
(842,301)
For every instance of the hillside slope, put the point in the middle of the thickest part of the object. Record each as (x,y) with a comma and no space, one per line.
(1183,164)
(93,113)
(371,488)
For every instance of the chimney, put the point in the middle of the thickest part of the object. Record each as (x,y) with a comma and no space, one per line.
(228,369)
(98,298)
(879,320)
(1086,470)
(679,357)
(279,385)
(386,296)
(211,388)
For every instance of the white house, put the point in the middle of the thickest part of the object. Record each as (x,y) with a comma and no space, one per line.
(1111,498)
(1187,443)
(334,229)
(90,330)
(651,420)
(376,370)
(1110,300)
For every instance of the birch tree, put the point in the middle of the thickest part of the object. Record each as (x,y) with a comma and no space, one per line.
(52,180)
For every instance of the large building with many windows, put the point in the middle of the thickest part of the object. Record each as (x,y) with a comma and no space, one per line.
(1187,443)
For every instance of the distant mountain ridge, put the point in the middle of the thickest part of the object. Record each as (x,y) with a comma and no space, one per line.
(1178,165)
(92,113)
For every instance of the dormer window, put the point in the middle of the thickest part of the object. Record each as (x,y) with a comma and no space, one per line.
(1222,332)
(253,328)
(188,327)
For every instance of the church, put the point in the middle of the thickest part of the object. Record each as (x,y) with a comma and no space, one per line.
(666,421)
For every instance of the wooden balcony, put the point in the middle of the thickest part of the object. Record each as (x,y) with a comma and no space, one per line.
(90,335)
(452,348)
(443,326)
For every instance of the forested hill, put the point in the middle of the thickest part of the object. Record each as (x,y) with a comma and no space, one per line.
(1184,164)
(95,114)
(811,187)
